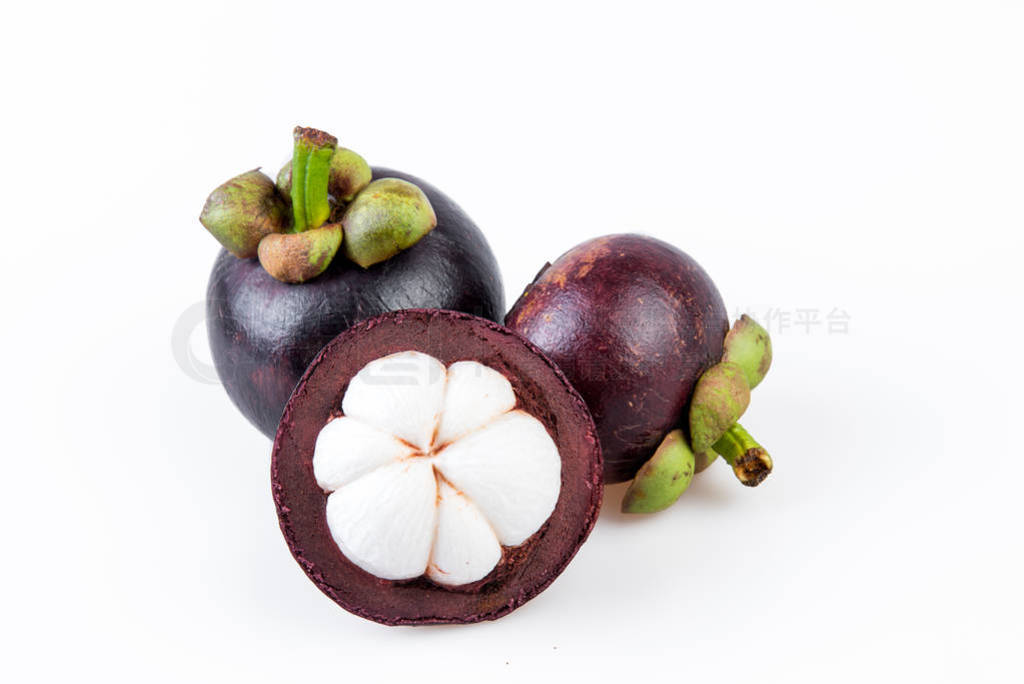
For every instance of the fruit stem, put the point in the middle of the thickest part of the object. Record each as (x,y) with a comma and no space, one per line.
(311,169)
(749,460)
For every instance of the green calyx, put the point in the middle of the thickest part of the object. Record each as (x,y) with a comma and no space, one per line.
(298,257)
(348,175)
(749,346)
(242,211)
(703,459)
(389,215)
(663,478)
(720,398)
(374,220)
(749,460)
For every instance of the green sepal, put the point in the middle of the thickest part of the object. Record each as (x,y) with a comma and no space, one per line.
(663,478)
(719,399)
(389,215)
(298,257)
(240,212)
(748,345)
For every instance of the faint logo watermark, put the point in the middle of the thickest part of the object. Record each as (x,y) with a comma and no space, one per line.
(191,322)
(402,370)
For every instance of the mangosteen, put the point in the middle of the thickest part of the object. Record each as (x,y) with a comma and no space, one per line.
(337,242)
(633,322)
(636,325)
(434,467)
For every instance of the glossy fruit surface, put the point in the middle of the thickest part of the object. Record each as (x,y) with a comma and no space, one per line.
(633,322)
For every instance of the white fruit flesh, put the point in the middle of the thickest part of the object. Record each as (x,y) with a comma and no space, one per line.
(348,449)
(432,470)
(401,394)
(402,491)
(511,469)
(465,548)
(475,396)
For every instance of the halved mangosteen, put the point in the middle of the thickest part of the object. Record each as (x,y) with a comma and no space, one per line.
(434,467)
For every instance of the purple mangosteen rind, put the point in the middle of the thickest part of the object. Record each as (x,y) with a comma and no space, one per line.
(541,389)
(264,333)
(633,322)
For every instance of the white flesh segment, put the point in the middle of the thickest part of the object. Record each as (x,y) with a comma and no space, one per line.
(511,470)
(401,394)
(475,396)
(347,448)
(465,548)
(384,521)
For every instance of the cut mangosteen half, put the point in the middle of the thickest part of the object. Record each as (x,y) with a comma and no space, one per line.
(434,467)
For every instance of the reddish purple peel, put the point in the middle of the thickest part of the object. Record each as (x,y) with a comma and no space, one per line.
(541,389)
(633,322)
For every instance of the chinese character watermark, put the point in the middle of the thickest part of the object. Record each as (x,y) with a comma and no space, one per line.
(804,320)
(776,320)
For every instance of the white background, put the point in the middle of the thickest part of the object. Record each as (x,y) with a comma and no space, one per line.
(864,157)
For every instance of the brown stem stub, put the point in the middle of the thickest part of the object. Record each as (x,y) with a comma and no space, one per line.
(753,466)
(315,137)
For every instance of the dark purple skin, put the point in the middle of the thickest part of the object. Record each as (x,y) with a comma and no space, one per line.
(263,333)
(541,389)
(633,322)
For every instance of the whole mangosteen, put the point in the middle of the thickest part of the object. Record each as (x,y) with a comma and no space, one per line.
(434,467)
(639,327)
(337,242)
(633,322)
